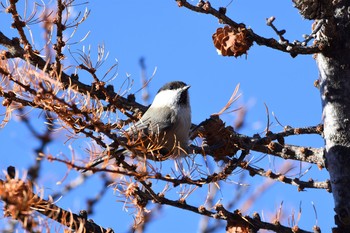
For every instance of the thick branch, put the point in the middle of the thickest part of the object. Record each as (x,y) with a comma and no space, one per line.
(334,82)
(223,141)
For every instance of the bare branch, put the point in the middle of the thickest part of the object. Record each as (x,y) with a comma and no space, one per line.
(59,36)
(235,218)
(293,49)
(283,178)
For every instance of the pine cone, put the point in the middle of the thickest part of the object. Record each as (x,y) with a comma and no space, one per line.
(231,41)
(217,134)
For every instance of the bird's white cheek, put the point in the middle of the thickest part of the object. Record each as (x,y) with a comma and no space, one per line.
(165,98)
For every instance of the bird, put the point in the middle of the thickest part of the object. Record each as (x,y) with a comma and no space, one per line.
(164,127)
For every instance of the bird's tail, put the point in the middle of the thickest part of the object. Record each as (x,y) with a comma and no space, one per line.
(104,159)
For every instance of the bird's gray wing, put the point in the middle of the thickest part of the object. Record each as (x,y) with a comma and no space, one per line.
(153,121)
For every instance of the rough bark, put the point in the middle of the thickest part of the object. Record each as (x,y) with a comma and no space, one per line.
(334,68)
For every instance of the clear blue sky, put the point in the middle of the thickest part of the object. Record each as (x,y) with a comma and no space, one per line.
(178,44)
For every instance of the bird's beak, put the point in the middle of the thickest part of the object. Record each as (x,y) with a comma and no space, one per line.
(186,87)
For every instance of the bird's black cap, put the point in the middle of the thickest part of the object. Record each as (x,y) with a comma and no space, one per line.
(172,86)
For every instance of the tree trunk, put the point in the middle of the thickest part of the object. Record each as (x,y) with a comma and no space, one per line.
(334,68)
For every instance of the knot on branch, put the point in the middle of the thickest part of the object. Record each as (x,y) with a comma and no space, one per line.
(219,137)
(313,9)
(232,41)
(236,222)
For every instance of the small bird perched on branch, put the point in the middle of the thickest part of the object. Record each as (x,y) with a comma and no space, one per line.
(164,127)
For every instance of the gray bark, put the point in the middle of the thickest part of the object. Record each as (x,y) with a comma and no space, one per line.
(334,68)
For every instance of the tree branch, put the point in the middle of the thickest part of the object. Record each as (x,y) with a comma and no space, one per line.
(283,178)
(222,141)
(102,93)
(235,218)
(285,46)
